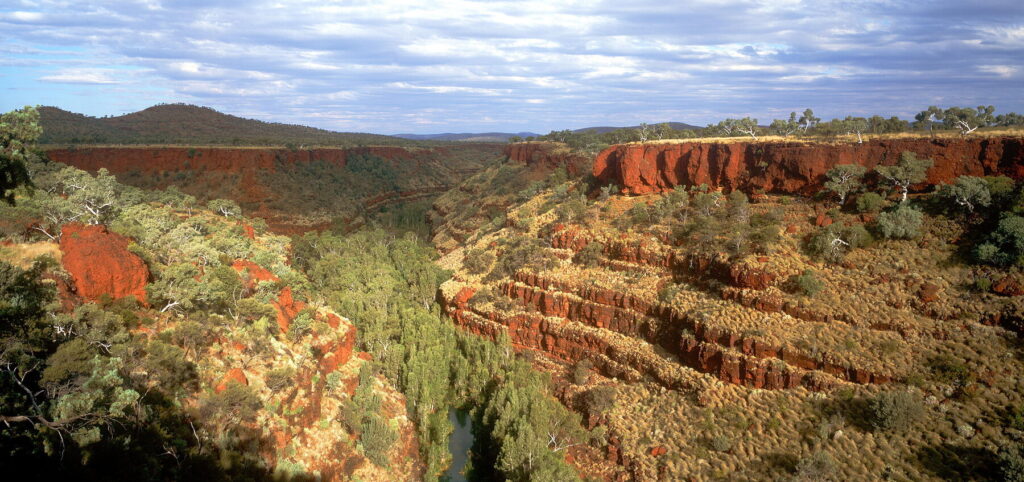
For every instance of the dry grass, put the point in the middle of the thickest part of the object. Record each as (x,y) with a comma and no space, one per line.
(22,254)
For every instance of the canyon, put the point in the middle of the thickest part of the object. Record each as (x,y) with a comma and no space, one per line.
(795,167)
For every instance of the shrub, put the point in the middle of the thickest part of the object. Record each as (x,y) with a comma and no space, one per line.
(870,202)
(721,443)
(590,255)
(477,261)
(807,284)
(377,438)
(1005,245)
(1011,463)
(894,410)
(817,466)
(832,242)
(600,399)
(581,371)
(279,378)
(947,369)
(901,223)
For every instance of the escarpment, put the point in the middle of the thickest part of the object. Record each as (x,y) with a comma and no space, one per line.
(294,190)
(795,167)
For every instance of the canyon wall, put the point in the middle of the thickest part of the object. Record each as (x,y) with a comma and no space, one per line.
(795,167)
(547,155)
(158,159)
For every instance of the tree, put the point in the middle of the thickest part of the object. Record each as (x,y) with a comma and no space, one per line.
(855,125)
(807,120)
(910,170)
(643,132)
(967,192)
(785,128)
(1005,245)
(225,207)
(844,179)
(904,222)
(928,117)
(747,126)
(19,130)
(966,119)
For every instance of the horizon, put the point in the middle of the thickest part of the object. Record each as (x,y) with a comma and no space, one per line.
(474,67)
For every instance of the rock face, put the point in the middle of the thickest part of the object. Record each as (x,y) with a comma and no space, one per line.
(546,154)
(124,159)
(792,167)
(100,264)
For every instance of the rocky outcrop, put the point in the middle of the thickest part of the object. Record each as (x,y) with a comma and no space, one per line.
(235,375)
(548,155)
(100,264)
(795,167)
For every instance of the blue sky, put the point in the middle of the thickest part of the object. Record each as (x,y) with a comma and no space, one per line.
(467,66)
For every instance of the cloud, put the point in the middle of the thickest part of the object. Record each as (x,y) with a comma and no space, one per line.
(393,65)
(82,76)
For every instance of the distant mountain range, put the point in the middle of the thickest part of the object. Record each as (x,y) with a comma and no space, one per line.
(466,137)
(183,124)
(503,136)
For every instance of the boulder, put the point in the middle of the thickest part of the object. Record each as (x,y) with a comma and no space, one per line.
(100,264)
(233,375)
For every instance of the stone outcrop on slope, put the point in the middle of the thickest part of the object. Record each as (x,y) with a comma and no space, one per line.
(100,264)
(795,167)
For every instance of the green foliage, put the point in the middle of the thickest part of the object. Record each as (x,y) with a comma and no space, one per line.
(280,378)
(807,283)
(833,242)
(948,369)
(224,207)
(581,371)
(870,202)
(600,399)
(377,438)
(1005,245)
(521,252)
(1011,462)
(903,222)
(844,179)
(968,192)
(895,410)
(477,261)
(818,466)
(910,170)
(590,255)
(19,130)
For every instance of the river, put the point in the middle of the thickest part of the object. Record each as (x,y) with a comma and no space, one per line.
(459,444)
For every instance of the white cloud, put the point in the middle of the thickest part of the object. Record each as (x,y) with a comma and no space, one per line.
(82,76)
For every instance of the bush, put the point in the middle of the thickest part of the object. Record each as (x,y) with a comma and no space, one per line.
(1005,245)
(477,261)
(590,255)
(817,466)
(377,439)
(581,371)
(279,378)
(1011,463)
(832,242)
(895,410)
(721,443)
(807,284)
(870,202)
(600,399)
(947,369)
(901,223)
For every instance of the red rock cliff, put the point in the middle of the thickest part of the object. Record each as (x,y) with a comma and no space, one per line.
(792,167)
(124,159)
(99,263)
(545,154)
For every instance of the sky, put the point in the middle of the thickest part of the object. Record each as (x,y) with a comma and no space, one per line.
(389,66)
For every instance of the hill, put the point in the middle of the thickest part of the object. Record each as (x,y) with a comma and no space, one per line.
(603,129)
(183,124)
